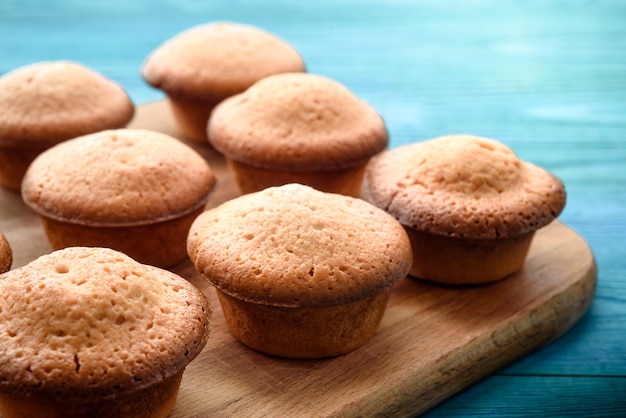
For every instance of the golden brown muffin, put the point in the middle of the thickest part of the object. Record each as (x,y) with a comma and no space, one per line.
(297,128)
(201,66)
(6,255)
(469,204)
(300,273)
(136,191)
(45,103)
(90,332)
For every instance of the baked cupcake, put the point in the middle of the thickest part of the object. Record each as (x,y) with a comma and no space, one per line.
(90,332)
(136,191)
(300,273)
(6,255)
(49,102)
(297,128)
(201,66)
(469,205)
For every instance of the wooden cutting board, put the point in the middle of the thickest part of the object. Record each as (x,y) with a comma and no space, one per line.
(433,341)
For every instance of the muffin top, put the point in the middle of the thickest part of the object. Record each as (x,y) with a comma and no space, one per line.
(118,178)
(294,246)
(297,122)
(6,255)
(48,102)
(89,322)
(463,186)
(216,60)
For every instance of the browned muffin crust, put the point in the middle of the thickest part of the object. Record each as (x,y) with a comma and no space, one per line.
(212,61)
(463,186)
(6,255)
(89,323)
(297,122)
(47,102)
(118,178)
(294,246)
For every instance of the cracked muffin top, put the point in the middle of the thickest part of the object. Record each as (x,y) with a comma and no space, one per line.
(92,322)
(463,186)
(294,246)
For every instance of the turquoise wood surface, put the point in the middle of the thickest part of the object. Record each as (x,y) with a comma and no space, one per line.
(548,78)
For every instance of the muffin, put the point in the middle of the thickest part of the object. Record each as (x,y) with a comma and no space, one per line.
(300,273)
(201,66)
(136,191)
(469,204)
(45,103)
(297,128)
(90,332)
(6,255)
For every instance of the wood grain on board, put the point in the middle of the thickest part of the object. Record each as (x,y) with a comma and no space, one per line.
(433,341)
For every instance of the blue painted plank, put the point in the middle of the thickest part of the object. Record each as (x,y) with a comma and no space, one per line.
(522,396)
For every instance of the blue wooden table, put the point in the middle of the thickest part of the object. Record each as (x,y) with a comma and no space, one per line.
(548,78)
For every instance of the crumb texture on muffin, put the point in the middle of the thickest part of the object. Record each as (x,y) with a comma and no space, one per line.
(294,246)
(218,59)
(118,177)
(91,322)
(463,186)
(297,122)
(51,101)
